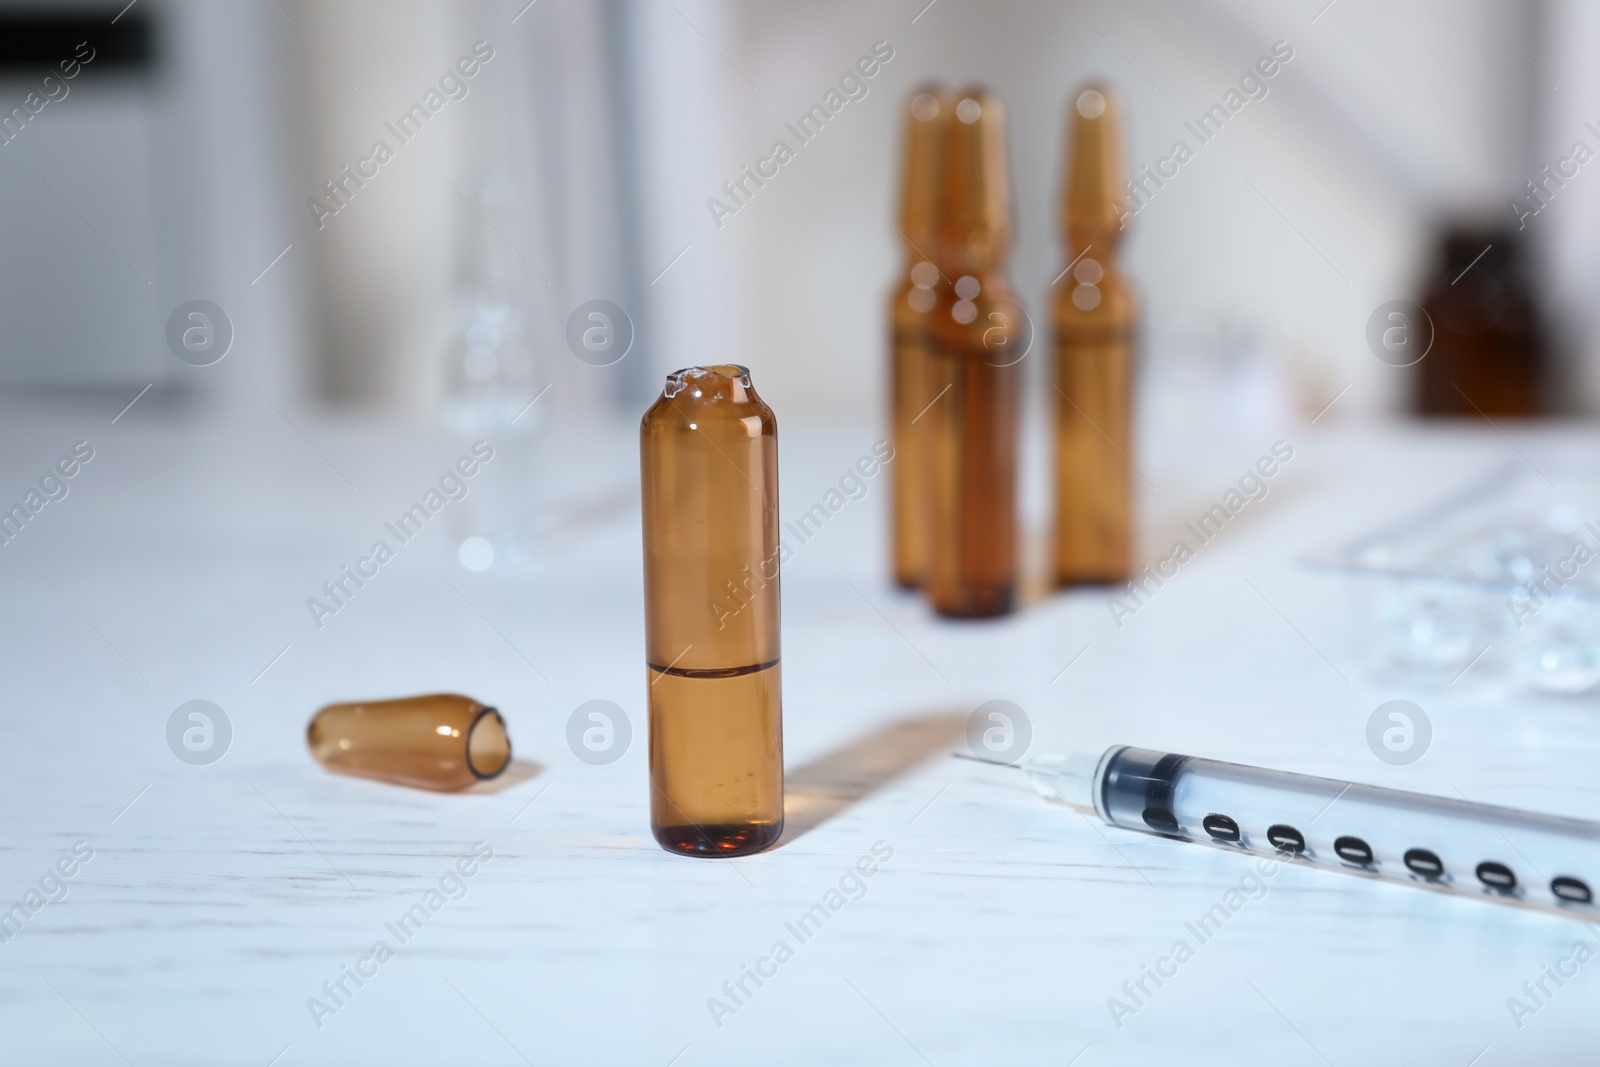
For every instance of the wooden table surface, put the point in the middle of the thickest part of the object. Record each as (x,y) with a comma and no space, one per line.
(220,903)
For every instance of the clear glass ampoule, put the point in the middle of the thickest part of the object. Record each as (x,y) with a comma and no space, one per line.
(1095,313)
(709,475)
(910,307)
(977,343)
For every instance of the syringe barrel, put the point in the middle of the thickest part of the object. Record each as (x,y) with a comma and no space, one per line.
(1442,843)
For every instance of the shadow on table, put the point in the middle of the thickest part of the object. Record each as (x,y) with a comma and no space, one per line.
(520,771)
(819,790)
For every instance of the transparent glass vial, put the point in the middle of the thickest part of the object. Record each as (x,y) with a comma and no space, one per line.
(709,477)
(976,351)
(910,308)
(442,741)
(1094,317)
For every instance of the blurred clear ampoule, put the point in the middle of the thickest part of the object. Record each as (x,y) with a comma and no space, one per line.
(489,372)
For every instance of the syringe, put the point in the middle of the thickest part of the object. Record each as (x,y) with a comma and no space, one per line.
(1454,846)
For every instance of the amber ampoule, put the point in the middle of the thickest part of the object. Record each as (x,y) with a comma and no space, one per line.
(709,475)
(978,340)
(443,741)
(910,306)
(1095,314)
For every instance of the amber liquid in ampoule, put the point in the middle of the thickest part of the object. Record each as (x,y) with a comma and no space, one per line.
(910,308)
(709,473)
(1095,314)
(978,340)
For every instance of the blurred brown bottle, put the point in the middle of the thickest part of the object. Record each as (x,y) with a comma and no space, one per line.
(1488,356)
(979,336)
(910,305)
(1095,316)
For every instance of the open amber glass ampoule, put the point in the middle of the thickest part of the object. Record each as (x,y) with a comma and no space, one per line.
(443,741)
(979,338)
(910,306)
(709,474)
(1095,314)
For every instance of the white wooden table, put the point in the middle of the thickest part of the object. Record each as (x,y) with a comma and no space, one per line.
(220,899)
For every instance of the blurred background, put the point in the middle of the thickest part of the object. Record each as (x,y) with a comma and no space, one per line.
(278,263)
(187,158)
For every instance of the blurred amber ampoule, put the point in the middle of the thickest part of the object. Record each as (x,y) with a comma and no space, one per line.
(709,475)
(910,305)
(443,741)
(1095,314)
(979,337)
